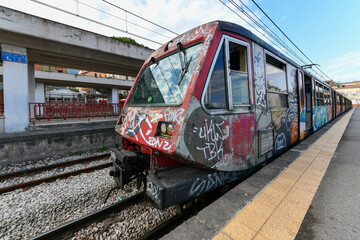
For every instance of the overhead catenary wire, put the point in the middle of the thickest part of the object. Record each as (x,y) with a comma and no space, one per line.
(263,34)
(289,39)
(100,23)
(248,23)
(112,15)
(140,17)
(267,30)
(272,33)
(268,33)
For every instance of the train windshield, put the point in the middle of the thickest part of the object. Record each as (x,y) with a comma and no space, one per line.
(165,82)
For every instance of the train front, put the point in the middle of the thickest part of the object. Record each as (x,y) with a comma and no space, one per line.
(151,122)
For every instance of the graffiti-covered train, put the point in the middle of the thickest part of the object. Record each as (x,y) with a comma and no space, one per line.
(210,106)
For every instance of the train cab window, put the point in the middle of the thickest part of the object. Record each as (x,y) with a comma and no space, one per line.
(228,87)
(276,82)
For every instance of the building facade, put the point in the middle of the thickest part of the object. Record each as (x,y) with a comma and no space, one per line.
(350,90)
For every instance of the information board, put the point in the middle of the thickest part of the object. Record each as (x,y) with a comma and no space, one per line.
(13,57)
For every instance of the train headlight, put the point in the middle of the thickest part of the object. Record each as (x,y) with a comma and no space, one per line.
(163,128)
(166,129)
(170,129)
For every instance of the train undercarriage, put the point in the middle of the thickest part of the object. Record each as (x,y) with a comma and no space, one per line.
(169,186)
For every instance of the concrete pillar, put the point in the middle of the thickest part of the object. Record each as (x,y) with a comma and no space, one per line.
(16,88)
(39,92)
(31,77)
(113,96)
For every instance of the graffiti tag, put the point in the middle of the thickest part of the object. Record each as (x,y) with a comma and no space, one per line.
(260,90)
(291,114)
(212,181)
(154,192)
(280,142)
(213,137)
(173,115)
(159,143)
(135,124)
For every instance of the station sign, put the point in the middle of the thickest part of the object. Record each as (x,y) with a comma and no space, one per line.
(13,57)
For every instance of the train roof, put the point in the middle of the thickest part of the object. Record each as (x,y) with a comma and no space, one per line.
(235,28)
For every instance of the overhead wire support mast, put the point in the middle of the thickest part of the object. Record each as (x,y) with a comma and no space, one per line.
(289,38)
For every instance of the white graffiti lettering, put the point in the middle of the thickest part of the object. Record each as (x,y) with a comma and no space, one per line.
(153,192)
(201,185)
(213,137)
(173,115)
(159,143)
(291,113)
(225,160)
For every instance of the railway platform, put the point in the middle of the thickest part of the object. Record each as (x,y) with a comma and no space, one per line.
(309,192)
(57,138)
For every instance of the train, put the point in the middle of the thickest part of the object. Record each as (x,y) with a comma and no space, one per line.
(209,107)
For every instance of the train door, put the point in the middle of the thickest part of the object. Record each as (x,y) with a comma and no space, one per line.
(308,104)
(302,105)
(222,137)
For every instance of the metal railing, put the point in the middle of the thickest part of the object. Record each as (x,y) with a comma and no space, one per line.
(57,111)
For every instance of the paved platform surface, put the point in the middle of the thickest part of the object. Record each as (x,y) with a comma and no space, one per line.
(272,203)
(335,210)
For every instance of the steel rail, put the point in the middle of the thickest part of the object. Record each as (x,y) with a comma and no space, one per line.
(171,223)
(68,228)
(53,178)
(52,166)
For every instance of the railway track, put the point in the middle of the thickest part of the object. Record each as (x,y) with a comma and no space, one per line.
(67,229)
(50,167)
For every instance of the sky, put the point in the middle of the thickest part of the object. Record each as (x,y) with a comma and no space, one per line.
(327,31)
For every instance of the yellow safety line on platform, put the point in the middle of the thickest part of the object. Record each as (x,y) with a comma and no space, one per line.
(278,211)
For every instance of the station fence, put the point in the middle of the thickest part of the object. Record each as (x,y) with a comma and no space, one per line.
(57,111)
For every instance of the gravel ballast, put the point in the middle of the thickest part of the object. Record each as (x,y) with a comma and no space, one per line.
(24,214)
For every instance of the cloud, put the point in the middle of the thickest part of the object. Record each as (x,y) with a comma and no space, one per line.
(343,68)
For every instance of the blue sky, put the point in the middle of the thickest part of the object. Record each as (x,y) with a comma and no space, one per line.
(327,31)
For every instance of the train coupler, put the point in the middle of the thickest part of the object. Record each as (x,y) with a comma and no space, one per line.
(128,165)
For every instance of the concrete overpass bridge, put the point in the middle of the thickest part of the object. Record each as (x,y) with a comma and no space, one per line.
(26,39)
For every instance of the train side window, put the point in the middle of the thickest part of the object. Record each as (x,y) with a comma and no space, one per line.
(228,86)
(215,96)
(239,74)
(276,83)
(319,94)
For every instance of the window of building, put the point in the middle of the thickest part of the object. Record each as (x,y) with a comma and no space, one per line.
(228,87)
(276,83)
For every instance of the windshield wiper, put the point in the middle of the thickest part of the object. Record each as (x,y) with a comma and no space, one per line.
(184,71)
(184,63)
